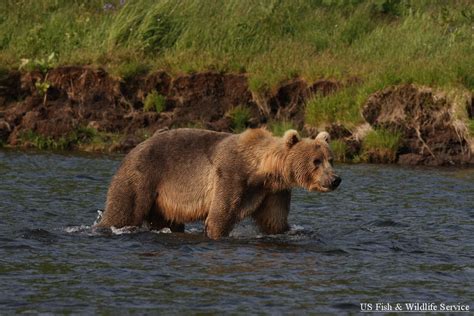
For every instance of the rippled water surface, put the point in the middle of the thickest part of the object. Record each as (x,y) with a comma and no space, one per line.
(388,234)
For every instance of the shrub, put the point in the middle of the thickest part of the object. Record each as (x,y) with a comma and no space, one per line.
(154,102)
(240,115)
(381,146)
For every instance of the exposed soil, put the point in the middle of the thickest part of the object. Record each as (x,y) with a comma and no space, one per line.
(80,97)
(430,133)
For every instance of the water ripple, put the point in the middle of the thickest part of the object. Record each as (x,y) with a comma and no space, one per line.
(388,234)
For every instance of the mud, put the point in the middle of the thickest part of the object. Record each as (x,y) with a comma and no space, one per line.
(81,97)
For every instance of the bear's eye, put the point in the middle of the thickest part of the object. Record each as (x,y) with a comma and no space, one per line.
(317,162)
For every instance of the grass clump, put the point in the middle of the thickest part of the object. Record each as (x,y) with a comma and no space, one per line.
(154,102)
(278,128)
(339,150)
(79,137)
(380,146)
(240,116)
(341,107)
(131,69)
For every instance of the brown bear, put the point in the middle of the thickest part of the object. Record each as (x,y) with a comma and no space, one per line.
(184,175)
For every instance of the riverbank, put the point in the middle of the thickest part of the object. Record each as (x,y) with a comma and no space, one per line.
(85,108)
(392,81)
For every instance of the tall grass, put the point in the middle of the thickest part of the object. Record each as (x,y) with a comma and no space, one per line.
(339,150)
(381,146)
(278,128)
(380,41)
(341,107)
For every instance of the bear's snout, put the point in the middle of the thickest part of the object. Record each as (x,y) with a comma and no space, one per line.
(335,183)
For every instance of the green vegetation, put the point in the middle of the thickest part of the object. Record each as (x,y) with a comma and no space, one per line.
(83,137)
(471,127)
(42,87)
(41,64)
(130,69)
(380,146)
(339,150)
(240,115)
(278,128)
(381,42)
(340,107)
(429,42)
(154,102)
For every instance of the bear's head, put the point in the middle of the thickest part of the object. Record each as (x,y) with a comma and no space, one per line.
(309,162)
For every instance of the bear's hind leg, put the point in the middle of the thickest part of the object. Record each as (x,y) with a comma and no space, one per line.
(127,205)
(272,216)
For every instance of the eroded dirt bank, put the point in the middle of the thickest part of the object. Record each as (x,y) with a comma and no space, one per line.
(79,105)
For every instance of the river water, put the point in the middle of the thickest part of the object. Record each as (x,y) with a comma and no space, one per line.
(388,234)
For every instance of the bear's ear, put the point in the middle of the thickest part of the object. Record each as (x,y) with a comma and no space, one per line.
(324,136)
(291,137)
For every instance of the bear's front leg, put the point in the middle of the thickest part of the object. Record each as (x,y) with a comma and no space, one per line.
(272,216)
(225,206)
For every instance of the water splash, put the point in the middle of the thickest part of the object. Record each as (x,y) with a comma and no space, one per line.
(99,217)
(77,229)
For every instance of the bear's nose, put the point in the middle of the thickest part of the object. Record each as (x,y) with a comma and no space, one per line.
(335,183)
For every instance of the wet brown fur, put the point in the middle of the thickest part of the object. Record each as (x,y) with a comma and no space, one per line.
(185,175)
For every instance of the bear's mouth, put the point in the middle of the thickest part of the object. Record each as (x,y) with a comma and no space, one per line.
(319,188)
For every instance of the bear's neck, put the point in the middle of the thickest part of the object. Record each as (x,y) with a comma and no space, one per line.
(274,169)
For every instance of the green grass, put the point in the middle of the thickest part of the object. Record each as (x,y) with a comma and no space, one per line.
(339,150)
(471,127)
(424,41)
(239,115)
(278,128)
(80,137)
(154,102)
(382,42)
(130,69)
(341,107)
(380,146)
